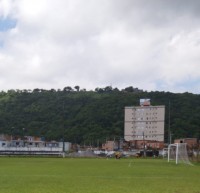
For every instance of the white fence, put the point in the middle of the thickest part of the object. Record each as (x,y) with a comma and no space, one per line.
(6,149)
(59,149)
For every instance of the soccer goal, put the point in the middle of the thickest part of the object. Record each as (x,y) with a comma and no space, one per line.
(178,152)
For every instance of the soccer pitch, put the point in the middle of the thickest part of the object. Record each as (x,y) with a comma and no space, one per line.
(100,175)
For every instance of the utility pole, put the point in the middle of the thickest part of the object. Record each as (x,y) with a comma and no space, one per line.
(63,129)
(169,132)
(170,137)
(144,153)
(98,144)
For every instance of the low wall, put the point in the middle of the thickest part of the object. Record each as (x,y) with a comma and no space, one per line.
(59,149)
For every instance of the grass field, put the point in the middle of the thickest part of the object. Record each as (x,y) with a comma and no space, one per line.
(58,175)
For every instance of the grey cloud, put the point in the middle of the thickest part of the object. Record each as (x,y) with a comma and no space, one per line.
(144,13)
(149,44)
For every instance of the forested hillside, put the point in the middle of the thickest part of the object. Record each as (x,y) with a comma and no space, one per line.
(90,116)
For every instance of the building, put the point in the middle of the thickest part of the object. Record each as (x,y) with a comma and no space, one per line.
(31,145)
(146,144)
(191,142)
(110,145)
(144,122)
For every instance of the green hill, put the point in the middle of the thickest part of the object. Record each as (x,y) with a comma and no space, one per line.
(90,116)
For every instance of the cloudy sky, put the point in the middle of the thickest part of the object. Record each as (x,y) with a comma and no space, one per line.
(149,44)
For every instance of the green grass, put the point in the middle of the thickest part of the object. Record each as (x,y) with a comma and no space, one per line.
(57,175)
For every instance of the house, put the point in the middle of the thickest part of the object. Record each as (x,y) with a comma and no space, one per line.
(147,144)
(191,142)
(110,145)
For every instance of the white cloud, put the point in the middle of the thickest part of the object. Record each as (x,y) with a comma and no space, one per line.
(5,8)
(151,45)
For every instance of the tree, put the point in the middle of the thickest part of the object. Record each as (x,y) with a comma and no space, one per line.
(77,88)
(129,89)
(108,89)
(99,90)
(67,89)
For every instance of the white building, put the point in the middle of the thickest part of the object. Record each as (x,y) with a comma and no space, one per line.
(31,145)
(144,122)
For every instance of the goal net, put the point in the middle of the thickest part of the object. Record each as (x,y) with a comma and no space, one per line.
(178,152)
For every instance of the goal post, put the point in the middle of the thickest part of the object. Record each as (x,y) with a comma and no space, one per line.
(173,152)
(178,152)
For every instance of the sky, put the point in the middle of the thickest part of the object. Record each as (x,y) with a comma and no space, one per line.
(153,45)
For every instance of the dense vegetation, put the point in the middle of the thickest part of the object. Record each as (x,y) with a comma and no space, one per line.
(90,116)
